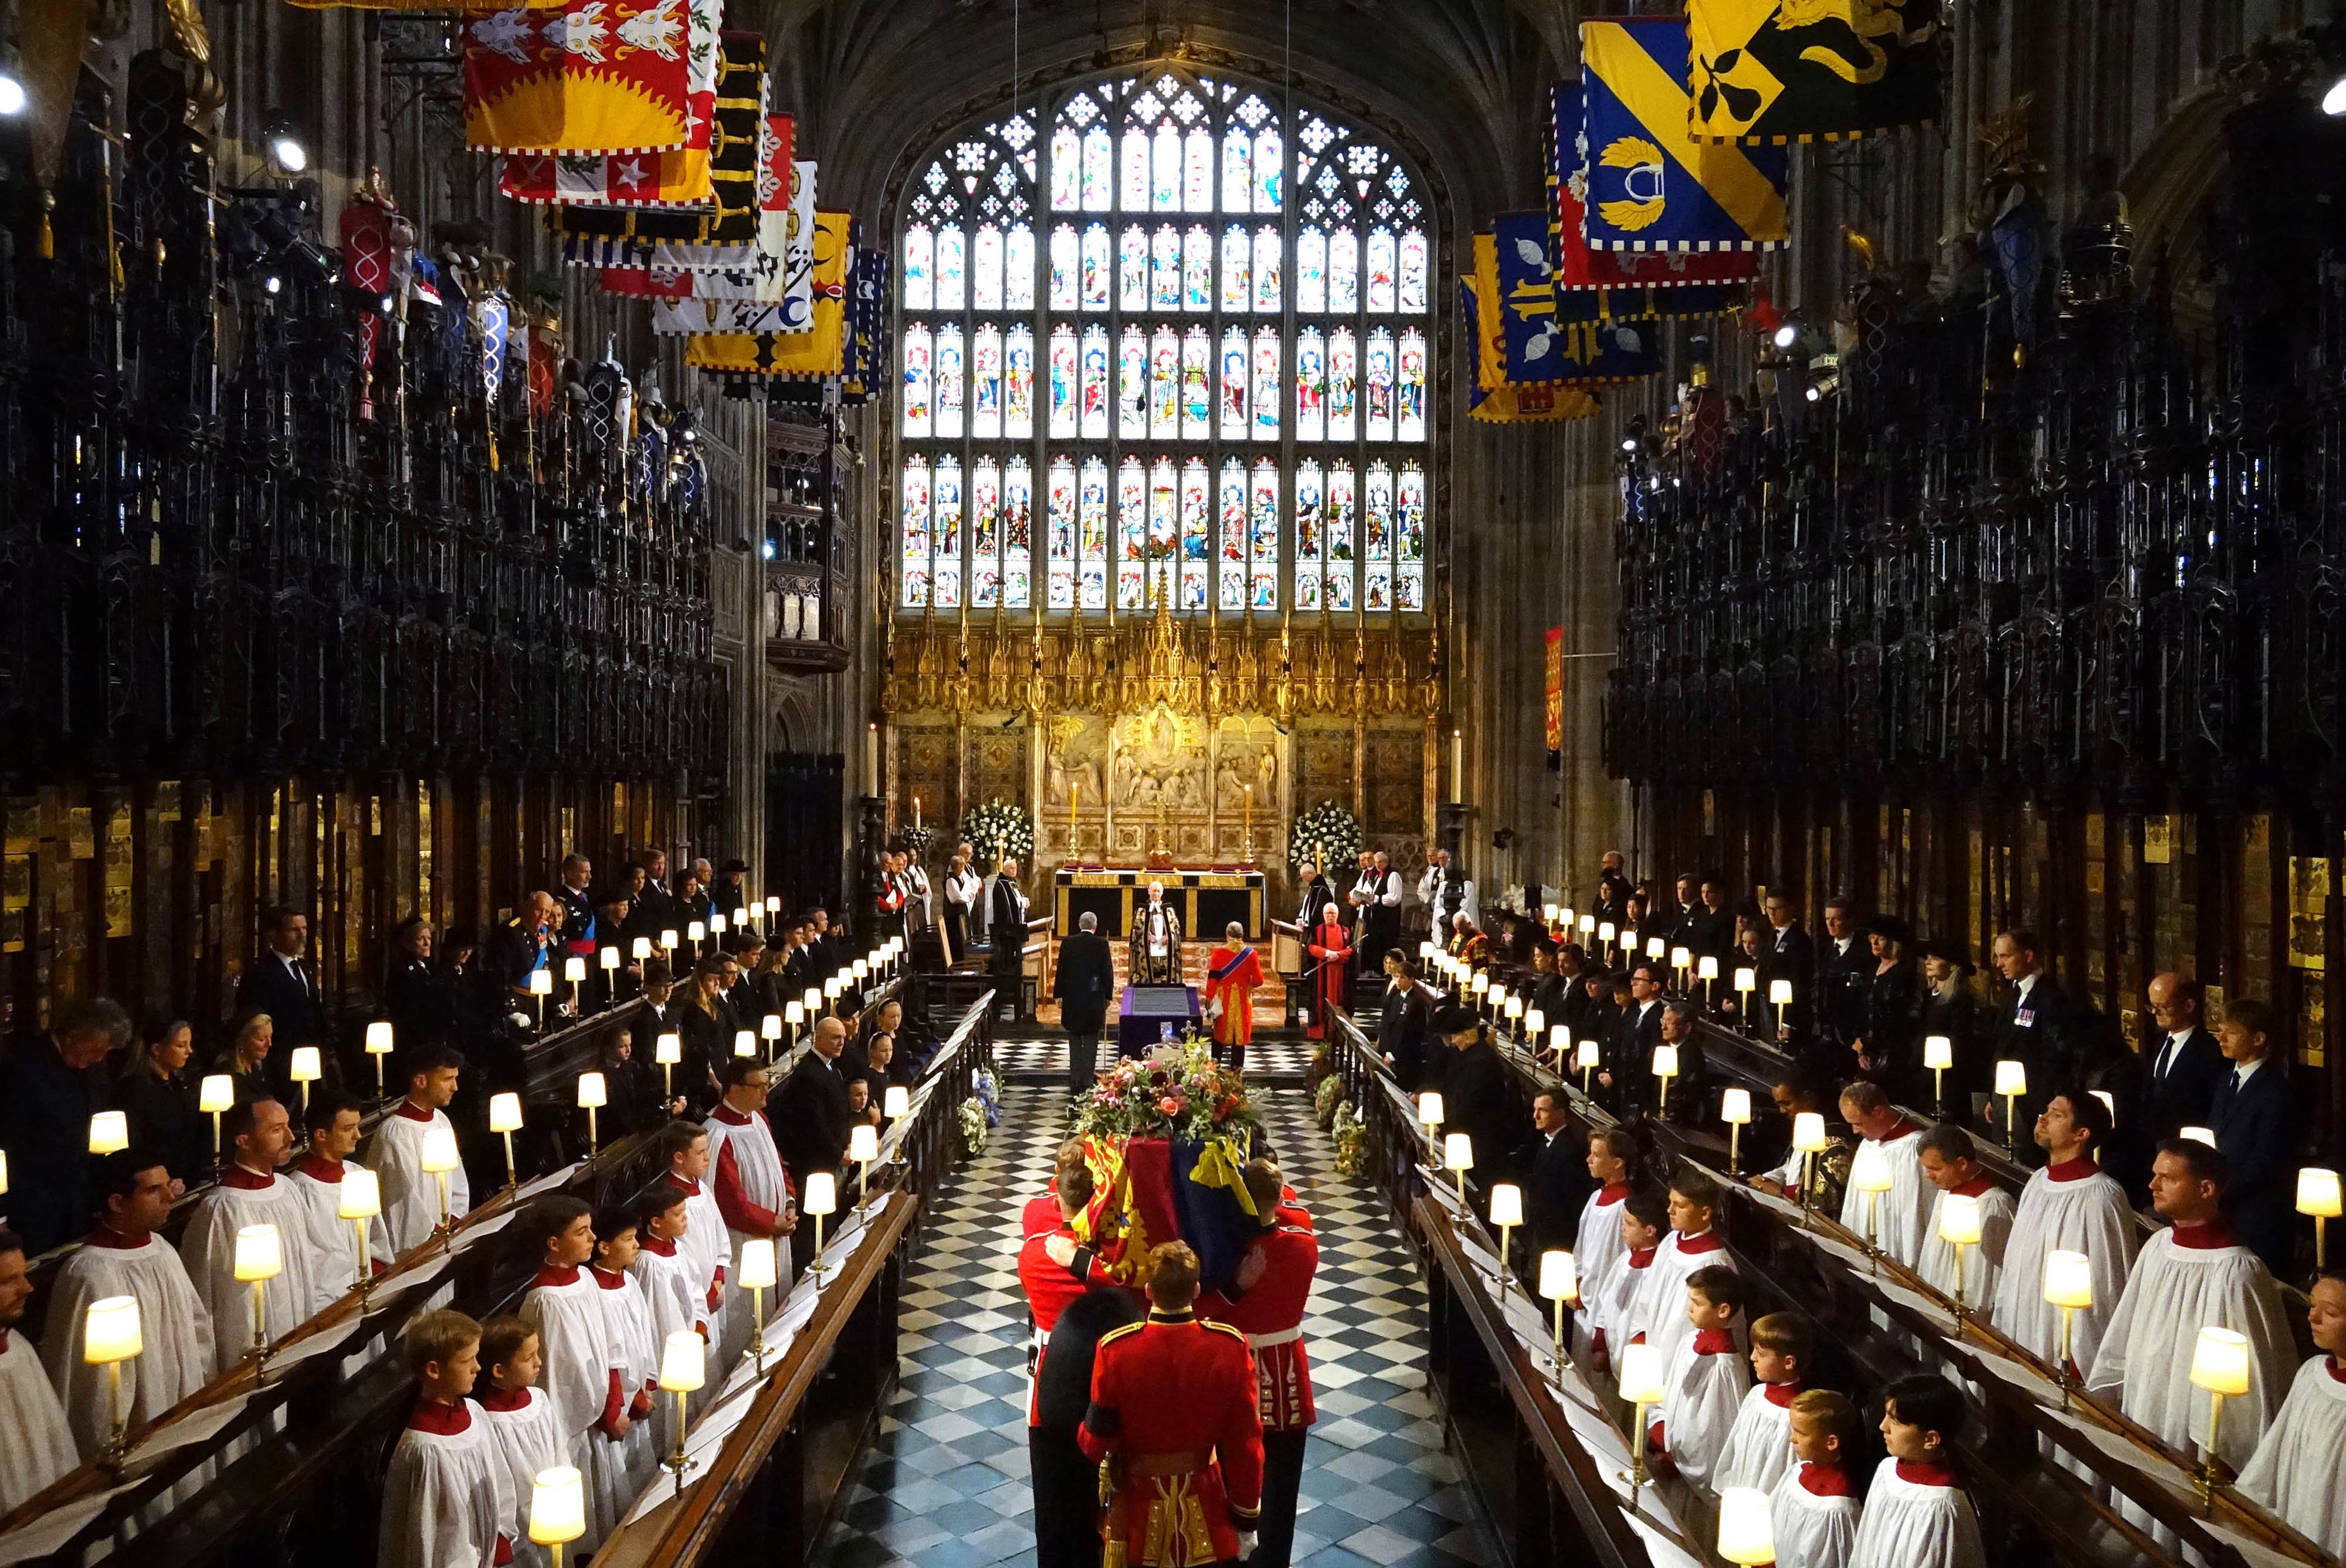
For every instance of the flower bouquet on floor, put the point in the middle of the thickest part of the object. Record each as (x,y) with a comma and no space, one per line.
(1167,1138)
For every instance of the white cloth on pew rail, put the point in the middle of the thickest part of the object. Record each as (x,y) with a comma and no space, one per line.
(2069,1207)
(1916,1524)
(2297,1467)
(175,1325)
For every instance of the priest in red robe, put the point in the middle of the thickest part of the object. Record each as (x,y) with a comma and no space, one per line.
(1331,952)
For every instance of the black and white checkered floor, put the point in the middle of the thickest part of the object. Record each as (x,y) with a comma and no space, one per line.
(945,1485)
(1281,1061)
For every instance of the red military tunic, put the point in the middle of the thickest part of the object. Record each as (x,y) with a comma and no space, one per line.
(1232,974)
(1275,1283)
(1041,1215)
(1050,1285)
(1175,1400)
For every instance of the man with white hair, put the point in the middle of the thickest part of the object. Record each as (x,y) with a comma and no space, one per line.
(1155,955)
(1085,976)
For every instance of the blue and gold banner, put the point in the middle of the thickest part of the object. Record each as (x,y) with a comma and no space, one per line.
(1650,185)
(1545,336)
(1491,398)
(1777,71)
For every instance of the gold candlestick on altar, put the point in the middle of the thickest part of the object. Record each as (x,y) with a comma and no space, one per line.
(1246,851)
(1074,791)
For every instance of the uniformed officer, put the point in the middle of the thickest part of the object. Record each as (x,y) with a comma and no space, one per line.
(578,925)
(1056,1270)
(1274,1283)
(1174,1401)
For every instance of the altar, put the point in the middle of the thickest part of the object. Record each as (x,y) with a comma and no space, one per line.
(1206,900)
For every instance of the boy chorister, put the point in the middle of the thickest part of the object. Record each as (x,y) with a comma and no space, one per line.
(623,1468)
(1758,1450)
(2295,1470)
(521,1422)
(1599,1240)
(446,1499)
(1703,1387)
(1917,1514)
(583,1373)
(665,1270)
(1645,1216)
(1815,1508)
(1657,1313)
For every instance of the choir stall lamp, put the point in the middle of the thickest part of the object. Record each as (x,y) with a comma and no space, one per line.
(1458,1155)
(1869,1173)
(1938,1054)
(574,970)
(896,1104)
(2069,1285)
(1588,927)
(1605,935)
(641,949)
(770,1029)
(110,1336)
(541,986)
(1515,1011)
(863,1148)
(758,1277)
(2202,1134)
(1959,1226)
(1666,1067)
(109,1131)
(1641,1385)
(794,1015)
(1779,997)
(1681,963)
(821,1198)
(1506,1213)
(1655,948)
(1429,1117)
(379,1045)
(438,1157)
(2219,1364)
(1559,1042)
(305,1069)
(1746,1527)
(695,932)
(1629,944)
(359,1201)
(557,1509)
(669,944)
(609,960)
(669,1051)
(1809,1141)
(259,1259)
(1735,1110)
(2011,1082)
(717,923)
(1559,1281)
(684,1368)
(593,1093)
(217,1092)
(1706,969)
(2317,1197)
(1747,980)
(504,1118)
(1584,1058)
(745,1042)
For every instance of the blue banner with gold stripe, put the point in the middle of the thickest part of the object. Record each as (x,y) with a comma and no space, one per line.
(1491,398)
(1547,336)
(1650,185)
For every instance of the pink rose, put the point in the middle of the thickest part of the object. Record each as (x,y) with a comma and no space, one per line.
(1169,1105)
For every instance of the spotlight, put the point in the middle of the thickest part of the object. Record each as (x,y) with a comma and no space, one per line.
(11,94)
(1787,335)
(1628,443)
(2333,102)
(1816,394)
(272,283)
(287,156)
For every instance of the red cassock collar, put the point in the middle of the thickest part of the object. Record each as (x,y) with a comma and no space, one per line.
(1925,1474)
(114,1240)
(413,1113)
(1642,1256)
(244,1180)
(551,1277)
(1714,1342)
(1780,1394)
(441,1420)
(1900,1130)
(1978,1186)
(2205,1237)
(2336,1368)
(609,1280)
(690,1189)
(1707,1241)
(503,1399)
(664,1245)
(317,1169)
(730,1116)
(2073,1170)
(1823,1479)
(1612,1192)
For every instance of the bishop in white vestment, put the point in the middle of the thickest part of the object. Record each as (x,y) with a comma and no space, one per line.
(2297,1468)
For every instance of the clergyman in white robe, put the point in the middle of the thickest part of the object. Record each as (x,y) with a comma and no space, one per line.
(1702,1392)
(2066,1207)
(1816,1515)
(1899,1214)
(751,1192)
(410,1195)
(1983,1263)
(1916,1517)
(245,1196)
(447,1495)
(1758,1450)
(2297,1469)
(36,1446)
(179,1355)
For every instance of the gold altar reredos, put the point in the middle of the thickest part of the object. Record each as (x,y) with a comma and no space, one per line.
(1212,733)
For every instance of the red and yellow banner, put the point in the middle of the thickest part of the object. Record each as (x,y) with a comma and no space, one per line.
(597,75)
(1555,689)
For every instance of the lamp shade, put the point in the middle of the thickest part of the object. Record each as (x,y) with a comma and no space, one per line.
(1746,978)
(1705,967)
(2316,1192)
(1605,931)
(1746,1528)
(770,1026)
(1429,1108)
(1506,1203)
(1653,946)
(684,1361)
(667,937)
(745,1042)
(773,904)
(1682,956)
(1565,917)
(813,1000)
(1550,912)
(1779,993)
(861,968)
(505,1112)
(1629,939)
(608,958)
(1514,1006)
(217,1092)
(2068,1279)
(2010,1078)
(109,1330)
(1426,949)
(832,988)
(821,1194)
(1535,1024)
(1959,1219)
(1870,1170)
(109,1131)
(862,1142)
(757,1264)
(305,1067)
(1665,1061)
(259,1254)
(1589,924)
(897,1102)
(574,968)
(669,1049)
(2110,1102)
(1938,1052)
(1481,984)
(2203,1135)
(1735,1107)
(594,1091)
(558,1506)
(794,1014)
(1641,1374)
(717,921)
(1584,1054)
(361,1193)
(641,948)
(696,931)
(439,1152)
(541,983)
(1559,1276)
(1559,1039)
(2220,1362)
(1457,1152)
(1808,1132)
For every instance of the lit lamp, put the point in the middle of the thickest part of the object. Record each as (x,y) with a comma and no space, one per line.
(2317,1196)
(1604,932)
(1564,921)
(1747,980)
(1706,969)
(758,1277)
(863,1148)
(1506,1213)
(361,1200)
(1514,1009)
(794,1014)
(821,1197)
(305,1070)
(641,949)
(1746,1528)
(1427,951)
(259,1259)
(541,986)
(716,925)
(217,1092)
(1666,1067)
(1655,948)
(574,970)
(1630,942)
(1779,997)
(1458,1155)
(609,960)
(1551,913)
(593,1093)
(770,1029)
(1588,928)
(2068,1285)
(1959,1226)
(109,1131)
(684,1366)
(668,1051)
(2219,1364)
(379,1045)
(773,904)
(1641,1385)
(1808,1141)
(1938,1054)
(2011,1082)
(1559,1042)
(1535,1027)
(695,932)
(109,1336)
(504,1116)
(1735,1110)
(669,944)
(2203,1135)
(745,1042)
(1429,1114)
(1869,1173)
(896,1104)
(1559,1281)
(439,1157)
(557,1509)
(1584,1058)
(1681,961)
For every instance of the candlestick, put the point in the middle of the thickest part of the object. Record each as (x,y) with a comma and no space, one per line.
(1506,1213)
(821,1197)
(2318,1199)
(683,1369)
(1735,1110)
(863,1148)
(872,759)
(916,813)
(111,1336)
(1559,1280)
(2011,1082)
(758,1277)
(557,1509)
(258,1259)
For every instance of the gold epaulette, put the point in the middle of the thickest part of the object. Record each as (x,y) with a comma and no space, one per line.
(1121,1332)
(1220,1329)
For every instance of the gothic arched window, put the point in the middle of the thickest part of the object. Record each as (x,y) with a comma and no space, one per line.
(1201,323)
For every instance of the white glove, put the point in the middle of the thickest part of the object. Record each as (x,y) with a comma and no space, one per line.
(1246,1544)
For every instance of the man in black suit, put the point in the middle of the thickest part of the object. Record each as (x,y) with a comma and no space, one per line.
(1786,952)
(655,905)
(1635,1031)
(1711,924)
(2254,1118)
(280,985)
(1086,975)
(1005,928)
(2178,1090)
(1554,1169)
(812,1118)
(1844,970)
(2035,1026)
(1474,1090)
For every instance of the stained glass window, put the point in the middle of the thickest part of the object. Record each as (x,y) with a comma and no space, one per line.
(1201,323)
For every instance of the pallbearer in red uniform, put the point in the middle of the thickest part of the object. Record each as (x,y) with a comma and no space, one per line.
(1175,1405)
(1232,972)
(1056,1270)
(1274,1282)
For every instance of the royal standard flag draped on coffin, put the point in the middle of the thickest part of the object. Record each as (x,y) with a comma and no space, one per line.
(1545,336)
(1776,71)
(1651,186)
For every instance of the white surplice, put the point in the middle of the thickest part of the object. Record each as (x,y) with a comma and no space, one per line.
(175,1328)
(708,1245)
(620,1470)
(1983,1263)
(1599,1240)
(1812,1530)
(2296,1468)
(1702,1395)
(758,1164)
(334,1240)
(1899,1214)
(36,1446)
(1915,1525)
(2070,1208)
(527,1441)
(1659,1311)
(1758,1450)
(446,1498)
(410,1195)
(1605,1302)
(208,1248)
